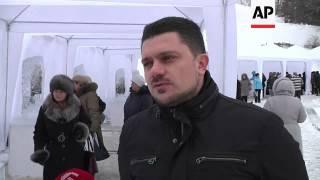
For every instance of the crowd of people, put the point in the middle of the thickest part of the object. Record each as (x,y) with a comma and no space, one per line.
(254,86)
(180,126)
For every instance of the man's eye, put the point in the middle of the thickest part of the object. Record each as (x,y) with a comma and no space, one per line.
(146,64)
(168,58)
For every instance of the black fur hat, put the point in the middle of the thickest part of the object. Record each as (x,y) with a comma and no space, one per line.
(62,82)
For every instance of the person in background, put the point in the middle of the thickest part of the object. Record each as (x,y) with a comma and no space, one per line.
(303,85)
(245,87)
(264,79)
(257,88)
(297,82)
(238,96)
(139,98)
(86,90)
(61,130)
(304,82)
(194,132)
(286,106)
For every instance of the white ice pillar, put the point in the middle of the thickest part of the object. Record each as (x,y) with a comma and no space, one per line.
(220,25)
(3,79)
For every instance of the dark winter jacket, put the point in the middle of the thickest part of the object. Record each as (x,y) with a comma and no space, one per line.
(209,137)
(55,131)
(137,102)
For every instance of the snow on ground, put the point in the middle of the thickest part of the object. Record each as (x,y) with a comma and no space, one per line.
(311,136)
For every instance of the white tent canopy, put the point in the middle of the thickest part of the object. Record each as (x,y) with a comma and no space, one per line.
(61,35)
(102,38)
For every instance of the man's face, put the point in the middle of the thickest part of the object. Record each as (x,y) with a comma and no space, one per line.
(172,72)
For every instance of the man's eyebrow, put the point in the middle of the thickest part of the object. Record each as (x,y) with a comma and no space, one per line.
(166,53)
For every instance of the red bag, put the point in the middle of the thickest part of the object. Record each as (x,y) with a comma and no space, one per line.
(75,174)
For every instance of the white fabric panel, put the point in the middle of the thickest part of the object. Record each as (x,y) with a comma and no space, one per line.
(296,66)
(246,67)
(272,66)
(215,41)
(230,68)
(94,65)
(220,27)
(3,77)
(308,77)
(53,52)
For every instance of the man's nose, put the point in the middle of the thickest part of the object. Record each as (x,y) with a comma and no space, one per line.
(157,68)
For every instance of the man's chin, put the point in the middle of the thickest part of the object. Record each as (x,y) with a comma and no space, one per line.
(163,101)
(166,101)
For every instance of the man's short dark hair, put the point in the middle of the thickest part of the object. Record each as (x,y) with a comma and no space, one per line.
(189,32)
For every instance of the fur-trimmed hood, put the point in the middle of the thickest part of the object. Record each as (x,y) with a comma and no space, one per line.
(53,112)
(88,88)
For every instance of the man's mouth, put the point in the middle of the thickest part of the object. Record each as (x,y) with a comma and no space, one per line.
(160,84)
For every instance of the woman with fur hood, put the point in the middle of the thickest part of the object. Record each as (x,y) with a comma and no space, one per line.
(285,105)
(86,90)
(61,130)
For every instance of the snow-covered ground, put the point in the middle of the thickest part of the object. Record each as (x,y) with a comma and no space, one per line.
(311,136)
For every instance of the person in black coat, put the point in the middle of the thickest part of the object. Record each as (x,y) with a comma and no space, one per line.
(139,98)
(61,130)
(264,79)
(194,132)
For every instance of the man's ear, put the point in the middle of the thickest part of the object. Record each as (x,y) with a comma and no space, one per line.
(202,62)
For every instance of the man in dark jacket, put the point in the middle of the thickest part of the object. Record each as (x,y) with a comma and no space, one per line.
(194,132)
(139,98)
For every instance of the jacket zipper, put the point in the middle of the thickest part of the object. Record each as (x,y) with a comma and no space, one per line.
(149,161)
(199,160)
(173,111)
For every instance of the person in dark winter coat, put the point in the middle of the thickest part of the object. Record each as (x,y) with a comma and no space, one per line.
(264,79)
(139,98)
(61,130)
(193,132)
(245,87)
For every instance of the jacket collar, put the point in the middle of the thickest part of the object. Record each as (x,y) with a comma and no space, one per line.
(56,114)
(88,88)
(198,107)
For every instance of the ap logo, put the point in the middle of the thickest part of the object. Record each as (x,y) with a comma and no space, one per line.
(263,13)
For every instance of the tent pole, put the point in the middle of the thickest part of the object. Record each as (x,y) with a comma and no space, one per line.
(19,14)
